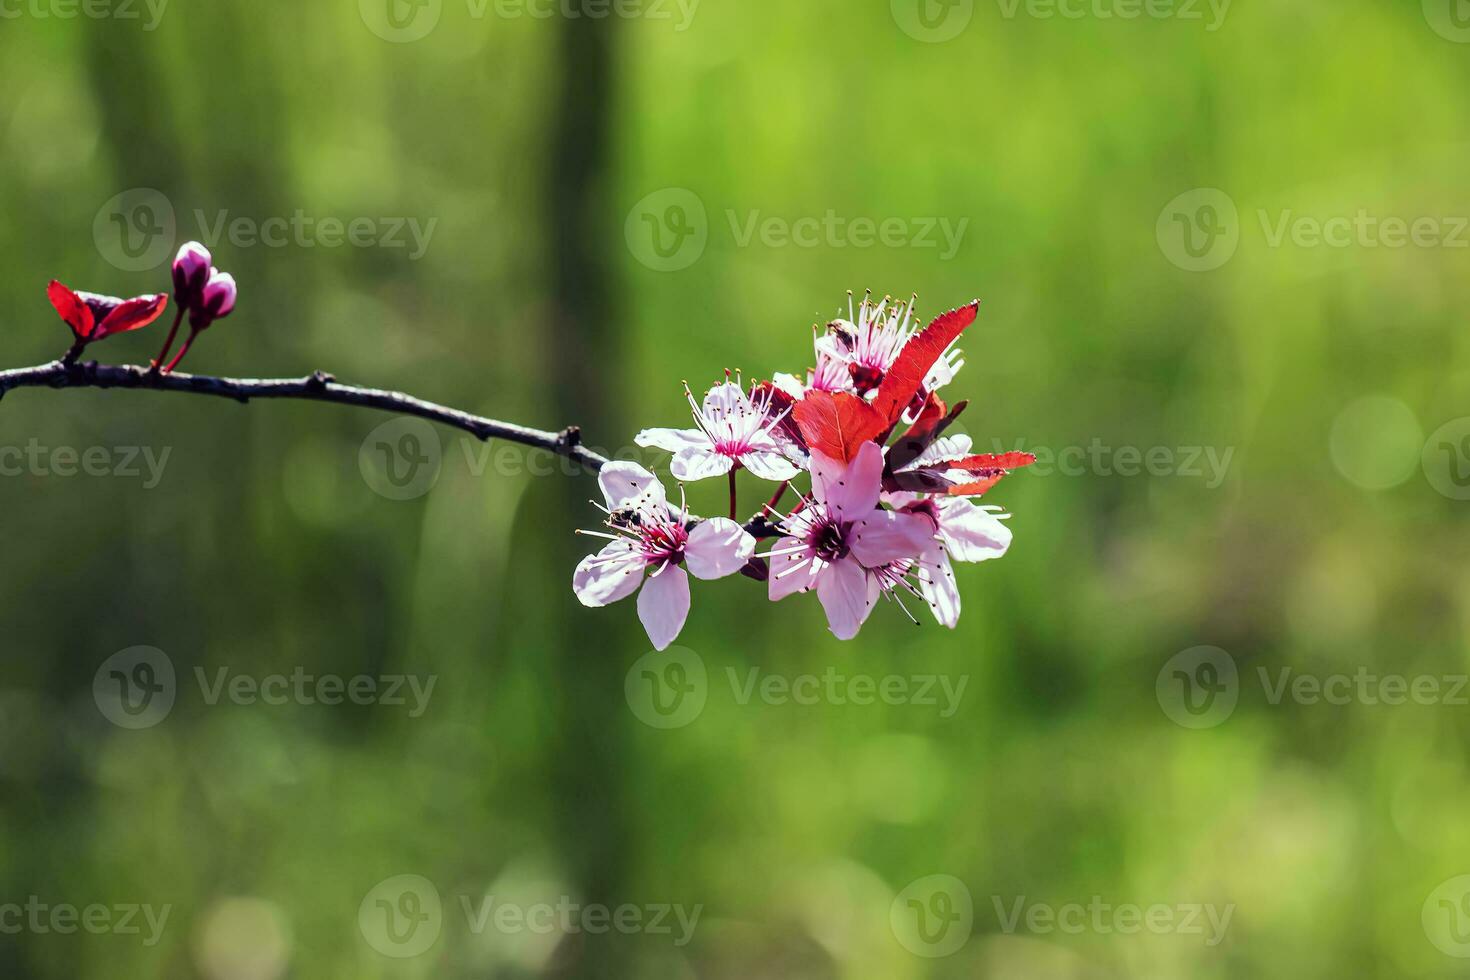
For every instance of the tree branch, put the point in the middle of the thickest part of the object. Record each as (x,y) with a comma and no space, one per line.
(319,387)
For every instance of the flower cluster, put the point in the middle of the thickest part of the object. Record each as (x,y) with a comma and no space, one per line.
(891,502)
(200,290)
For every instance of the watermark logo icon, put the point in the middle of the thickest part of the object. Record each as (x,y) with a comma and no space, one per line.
(1446,459)
(1198,687)
(135,230)
(1450,19)
(400,459)
(933,917)
(135,688)
(1199,230)
(1446,917)
(667,689)
(668,230)
(933,21)
(401,21)
(402,916)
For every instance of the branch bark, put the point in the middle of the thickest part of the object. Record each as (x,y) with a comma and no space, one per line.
(320,387)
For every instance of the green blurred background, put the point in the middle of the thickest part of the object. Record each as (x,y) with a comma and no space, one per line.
(547,151)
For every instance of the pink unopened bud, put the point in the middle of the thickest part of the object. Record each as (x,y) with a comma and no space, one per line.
(216,302)
(192,267)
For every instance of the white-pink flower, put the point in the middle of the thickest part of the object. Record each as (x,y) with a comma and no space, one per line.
(830,374)
(961,531)
(732,429)
(871,338)
(838,540)
(649,535)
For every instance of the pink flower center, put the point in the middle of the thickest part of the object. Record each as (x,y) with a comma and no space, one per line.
(663,542)
(828,538)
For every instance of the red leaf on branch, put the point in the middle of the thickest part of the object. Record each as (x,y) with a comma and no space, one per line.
(132,314)
(976,488)
(992,461)
(72,309)
(906,376)
(92,316)
(837,425)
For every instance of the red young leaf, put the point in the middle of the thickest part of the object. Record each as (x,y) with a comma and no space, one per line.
(132,314)
(837,425)
(992,461)
(906,376)
(977,488)
(71,308)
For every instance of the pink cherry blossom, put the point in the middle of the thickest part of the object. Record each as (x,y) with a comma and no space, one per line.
(648,535)
(836,539)
(961,531)
(872,336)
(733,429)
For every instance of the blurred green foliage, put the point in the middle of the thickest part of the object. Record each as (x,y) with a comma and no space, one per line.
(540,149)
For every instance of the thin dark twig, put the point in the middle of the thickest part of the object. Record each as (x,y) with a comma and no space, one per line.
(320,387)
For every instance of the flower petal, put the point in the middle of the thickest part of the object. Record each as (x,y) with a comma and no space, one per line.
(70,307)
(726,401)
(133,314)
(851,490)
(847,592)
(884,536)
(790,573)
(629,486)
(699,463)
(672,440)
(663,605)
(937,586)
(770,466)
(717,547)
(611,574)
(970,532)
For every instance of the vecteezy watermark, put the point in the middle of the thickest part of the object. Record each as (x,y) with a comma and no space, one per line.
(410,691)
(302,230)
(833,231)
(1363,229)
(937,21)
(403,458)
(933,917)
(403,916)
(1210,13)
(1210,463)
(138,687)
(64,919)
(933,21)
(135,688)
(670,689)
(1446,917)
(1200,687)
(1200,230)
(150,12)
(123,462)
(1203,919)
(1450,19)
(1446,459)
(138,230)
(404,21)
(669,230)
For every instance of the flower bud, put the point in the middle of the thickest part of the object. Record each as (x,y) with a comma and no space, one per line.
(216,302)
(191,272)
